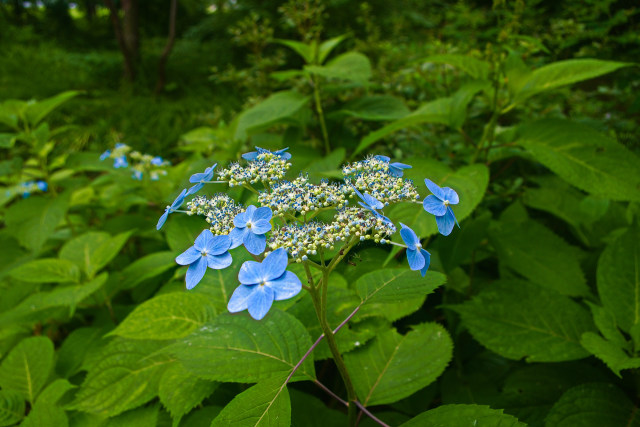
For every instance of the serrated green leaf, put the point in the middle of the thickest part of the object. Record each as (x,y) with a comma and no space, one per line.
(166,317)
(180,391)
(535,252)
(606,323)
(12,407)
(476,68)
(583,157)
(593,405)
(464,416)
(518,319)
(612,355)
(392,366)
(75,347)
(241,349)
(397,285)
(350,66)
(39,305)
(125,375)
(140,417)
(455,252)
(266,404)
(562,73)
(27,367)
(47,270)
(310,411)
(46,412)
(618,278)
(147,267)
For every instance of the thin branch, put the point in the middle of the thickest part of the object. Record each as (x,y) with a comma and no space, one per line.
(168,47)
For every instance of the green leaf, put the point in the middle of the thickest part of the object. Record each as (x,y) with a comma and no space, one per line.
(140,417)
(464,416)
(38,110)
(180,391)
(266,404)
(350,66)
(518,319)
(392,366)
(376,107)
(558,198)
(106,251)
(618,278)
(476,68)
(27,367)
(47,270)
(611,354)
(12,407)
(535,252)
(564,73)
(397,285)
(241,349)
(80,249)
(37,306)
(125,375)
(593,405)
(166,317)
(583,157)
(74,349)
(46,412)
(182,231)
(327,46)
(10,112)
(147,267)
(305,51)
(606,323)
(277,108)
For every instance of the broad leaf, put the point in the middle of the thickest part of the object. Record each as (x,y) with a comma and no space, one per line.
(106,251)
(80,249)
(518,319)
(464,416)
(147,267)
(611,354)
(397,285)
(306,51)
(392,366)
(12,407)
(376,107)
(583,157)
(182,231)
(165,317)
(593,405)
(476,68)
(180,391)
(47,270)
(327,46)
(618,279)
(350,66)
(47,412)
(266,404)
(26,369)
(241,349)
(38,110)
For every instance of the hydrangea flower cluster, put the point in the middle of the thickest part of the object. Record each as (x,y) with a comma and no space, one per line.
(27,188)
(141,164)
(286,225)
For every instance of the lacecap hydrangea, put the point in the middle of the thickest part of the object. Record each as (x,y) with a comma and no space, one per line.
(297,221)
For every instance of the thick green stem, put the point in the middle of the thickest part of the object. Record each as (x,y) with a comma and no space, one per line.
(323,125)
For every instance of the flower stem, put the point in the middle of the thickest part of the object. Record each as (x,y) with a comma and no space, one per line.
(323,125)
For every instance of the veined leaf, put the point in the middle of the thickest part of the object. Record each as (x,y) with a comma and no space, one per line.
(46,412)
(147,267)
(350,66)
(397,285)
(27,367)
(583,157)
(106,251)
(611,354)
(240,349)
(165,317)
(518,319)
(464,416)
(266,404)
(12,407)
(47,270)
(180,391)
(392,366)
(327,46)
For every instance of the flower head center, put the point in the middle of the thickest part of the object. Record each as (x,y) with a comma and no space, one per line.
(204,252)
(263,283)
(418,245)
(446,203)
(249,224)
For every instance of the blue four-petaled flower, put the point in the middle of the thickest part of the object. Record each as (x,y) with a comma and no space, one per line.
(253,155)
(395,169)
(371,204)
(171,209)
(250,228)
(157,161)
(438,204)
(200,179)
(105,155)
(262,283)
(419,258)
(120,162)
(207,251)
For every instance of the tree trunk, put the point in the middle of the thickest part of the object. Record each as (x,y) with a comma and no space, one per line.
(167,48)
(130,58)
(130,28)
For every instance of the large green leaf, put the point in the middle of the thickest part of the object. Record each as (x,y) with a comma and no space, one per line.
(563,73)
(38,110)
(593,405)
(397,285)
(12,407)
(47,270)
(611,354)
(147,267)
(106,251)
(80,249)
(306,51)
(124,375)
(327,46)
(518,319)
(27,367)
(393,366)
(538,254)
(618,278)
(180,391)
(583,157)
(277,108)
(241,349)
(464,416)
(350,66)
(47,412)
(266,404)
(165,317)
(476,68)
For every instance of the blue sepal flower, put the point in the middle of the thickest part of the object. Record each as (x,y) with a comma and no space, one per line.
(120,162)
(42,185)
(157,161)
(170,209)
(438,204)
(419,258)
(250,228)
(371,204)
(395,169)
(137,175)
(262,283)
(200,179)
(253,155)
(207,251)
(105,155)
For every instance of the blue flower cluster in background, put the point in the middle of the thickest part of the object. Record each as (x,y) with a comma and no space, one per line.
(25,189)
(285,228)
(141,164)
